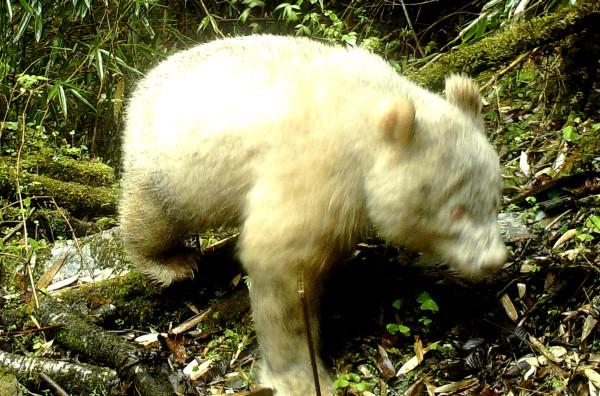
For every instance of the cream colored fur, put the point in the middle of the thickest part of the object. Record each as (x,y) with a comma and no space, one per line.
(303,146)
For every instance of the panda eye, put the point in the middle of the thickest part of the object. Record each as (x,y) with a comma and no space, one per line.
(458,212)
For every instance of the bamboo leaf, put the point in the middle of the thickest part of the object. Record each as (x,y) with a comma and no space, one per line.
(24,22)
(99,64)
(120,61)
(62,100)
(26,6)
(82,99)
(52,93)
(38,27)
(9,10)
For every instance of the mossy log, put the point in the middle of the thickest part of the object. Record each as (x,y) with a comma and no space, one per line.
(90,172)
(506,45)
(52,224)
(82,336)
(76,378)
(79,199)
(74,324)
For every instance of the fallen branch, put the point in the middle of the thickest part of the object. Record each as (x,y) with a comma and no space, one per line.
(76,378)
(569,181)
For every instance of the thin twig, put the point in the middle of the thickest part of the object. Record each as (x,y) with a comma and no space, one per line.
(31,331)
(22,206)
(53,385)
(410,25)
(309,340)
(84,262)
(213,23)
(15,229)
(502,72)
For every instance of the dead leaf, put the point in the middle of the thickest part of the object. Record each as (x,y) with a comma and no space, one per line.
(195,370)
(524,164)
(418,348)
(416,388)
(561,158)
(457,386)
(593,376)
(48,276)
(569,234)
(148,339)
(63,283)
(413,362)
(384,364)
(588,326)
(550,282)
(176,345)
(190,323)
(241,345)
(509,307)
(236,280)
(527,267)
(537,344)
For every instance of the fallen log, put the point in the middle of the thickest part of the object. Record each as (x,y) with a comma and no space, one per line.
(84,337)
(79,199)
(76,378)
(506,45)
(90,172)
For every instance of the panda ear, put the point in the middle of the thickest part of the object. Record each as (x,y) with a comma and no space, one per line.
(398,122)
(464,93)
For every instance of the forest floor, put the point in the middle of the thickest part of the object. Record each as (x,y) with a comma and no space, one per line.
(391,327)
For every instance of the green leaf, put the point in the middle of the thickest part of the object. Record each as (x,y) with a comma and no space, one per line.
(82,99)
(62,100)
(244,15)
(427,303)
(593,223)
(288,11)
(569,133)
(22,27)
(99,64)
(253,3)
(361,386)
(26,6)
(38,27)
(353,377)
(404,330)
(120,61)
(585,237)
(27,81)
(9,10)
(341,383)
(398,303)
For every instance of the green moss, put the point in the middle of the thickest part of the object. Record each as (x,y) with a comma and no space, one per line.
(75,197)
(8,384)
(504,46)
(60,167)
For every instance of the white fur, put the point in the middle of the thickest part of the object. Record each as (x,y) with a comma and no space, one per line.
(291,140)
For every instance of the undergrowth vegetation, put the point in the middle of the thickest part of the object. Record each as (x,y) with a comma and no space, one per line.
(67,67)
